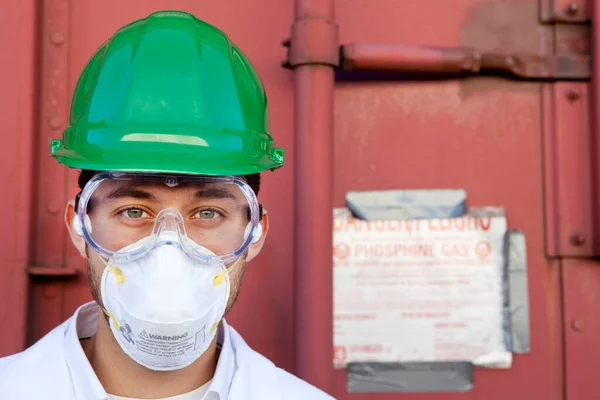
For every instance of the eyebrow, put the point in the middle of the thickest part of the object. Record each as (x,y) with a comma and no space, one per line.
(128,191)
(137,193)
(214,193)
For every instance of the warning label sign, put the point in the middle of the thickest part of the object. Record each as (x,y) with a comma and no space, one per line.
(165,345)
(419,290)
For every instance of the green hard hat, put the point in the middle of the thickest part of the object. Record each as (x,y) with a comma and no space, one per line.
(169,94)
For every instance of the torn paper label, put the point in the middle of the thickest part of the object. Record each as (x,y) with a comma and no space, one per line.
(419,290)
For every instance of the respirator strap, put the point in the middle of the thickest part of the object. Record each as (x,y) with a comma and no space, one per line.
(220,277)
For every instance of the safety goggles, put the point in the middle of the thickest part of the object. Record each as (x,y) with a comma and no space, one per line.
(125,215)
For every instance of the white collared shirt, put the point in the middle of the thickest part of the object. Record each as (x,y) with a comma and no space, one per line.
(86,384)
(197,394)
(56,368)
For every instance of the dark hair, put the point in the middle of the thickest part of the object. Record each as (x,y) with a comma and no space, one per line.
(252,180)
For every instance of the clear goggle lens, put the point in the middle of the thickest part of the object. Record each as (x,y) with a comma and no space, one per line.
(132,213)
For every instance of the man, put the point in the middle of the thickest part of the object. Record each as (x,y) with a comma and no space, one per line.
(169,127)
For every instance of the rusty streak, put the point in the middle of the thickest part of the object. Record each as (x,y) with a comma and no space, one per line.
(462,60)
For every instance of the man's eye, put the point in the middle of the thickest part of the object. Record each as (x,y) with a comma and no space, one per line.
(134,213)
(207,214)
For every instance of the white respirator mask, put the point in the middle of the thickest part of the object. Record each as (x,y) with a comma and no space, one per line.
(164,292)
(165,309)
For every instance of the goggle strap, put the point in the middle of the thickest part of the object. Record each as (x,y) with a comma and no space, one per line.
(77,200)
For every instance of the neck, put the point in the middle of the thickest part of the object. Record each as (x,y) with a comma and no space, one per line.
(122,376)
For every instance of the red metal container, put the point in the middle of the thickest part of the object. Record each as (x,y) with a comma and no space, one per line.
(525,140)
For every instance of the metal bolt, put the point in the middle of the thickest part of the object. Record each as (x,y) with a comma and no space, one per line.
(577,324)
(572,94)
(54,122)
(572,9)
(577,239)
(57,38)
(53,207)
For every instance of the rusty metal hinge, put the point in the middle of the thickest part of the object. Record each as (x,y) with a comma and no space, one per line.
(569,203)
(52,272)
(463,60)
(565,11)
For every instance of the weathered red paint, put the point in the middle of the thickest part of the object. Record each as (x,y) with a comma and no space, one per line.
(581,277)
(52,272)
(313,130)
(581,291)
(572,39)
(510,143)
(568,171)
(595,124)
(424,139)
(17,106)
(419,59)
(405,58)
(568,11)
(481,134)
(315,41)
(49,233)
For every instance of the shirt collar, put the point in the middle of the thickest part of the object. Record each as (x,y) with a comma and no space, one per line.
(83,325)
(86,385)
(226,366)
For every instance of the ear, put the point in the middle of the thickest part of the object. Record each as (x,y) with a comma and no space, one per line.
(255,248)
(78,241)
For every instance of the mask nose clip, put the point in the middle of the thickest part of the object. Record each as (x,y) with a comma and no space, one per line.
(169,227)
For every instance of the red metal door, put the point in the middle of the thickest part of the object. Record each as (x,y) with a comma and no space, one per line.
(581,289)
(17,104)
(482,134)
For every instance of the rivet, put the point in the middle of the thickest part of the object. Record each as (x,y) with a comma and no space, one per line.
(53,207)
(54,122)
(57,38)
(577,239)
(572,94)
(577,324)
(572,9)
